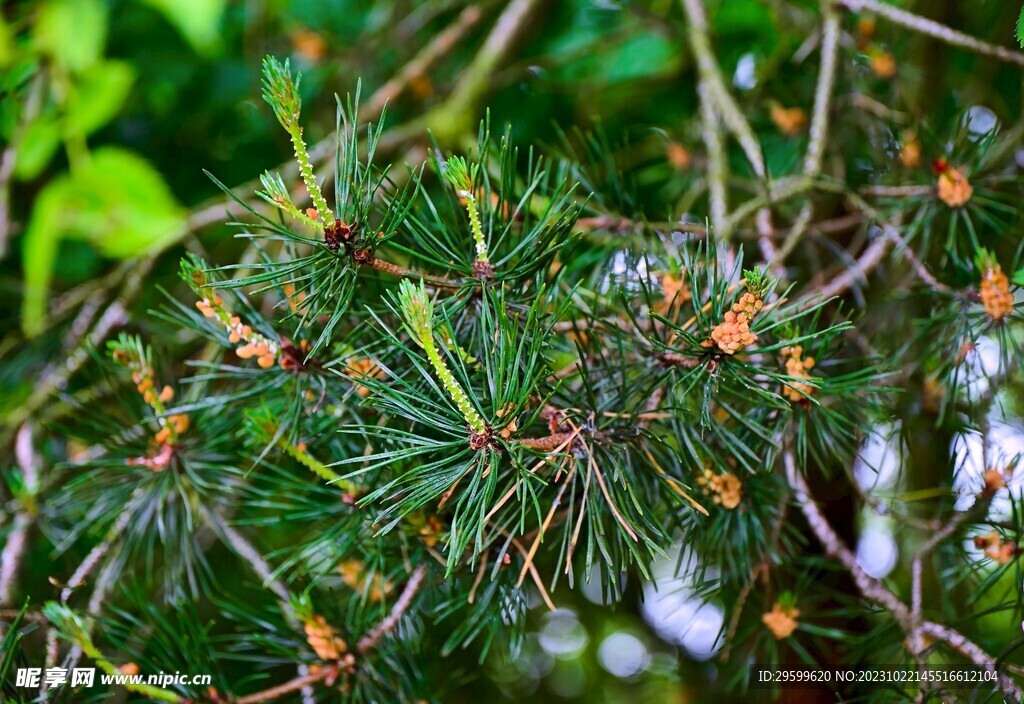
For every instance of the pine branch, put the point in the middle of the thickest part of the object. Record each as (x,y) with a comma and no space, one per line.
(95,556)
(369,641)
(711,75)
(248,552)
(75,630)
(212,213)
(328,673)
(418,311)
(407,273)
(281,91)
(24,517)
(875,591)
(57,375)
(870,587)
(933,29)
(366,644)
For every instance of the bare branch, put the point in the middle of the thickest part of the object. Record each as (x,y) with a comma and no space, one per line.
(17,538)
(873,590)
(712,137)
(934,29)
(971,651)
(10,559)
(247,552)
(870,587)
(823,91)
(711,76)
(370,640)
(326,673)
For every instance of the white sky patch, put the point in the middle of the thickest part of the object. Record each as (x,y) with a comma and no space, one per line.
(878,463)
(623,654)
(876,550)
(676,613)
(980,120)
(979,365)
(745,77)
(1005,440)
(562,634)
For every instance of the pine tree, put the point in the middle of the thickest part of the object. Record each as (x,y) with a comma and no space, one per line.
(430,402)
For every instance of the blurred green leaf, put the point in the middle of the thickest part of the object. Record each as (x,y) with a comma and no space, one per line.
(197,20)
(99,95)
(741,27)
(639,57)
(6,44)
(117,202)
(39,144)
(1020,27)
(73,32)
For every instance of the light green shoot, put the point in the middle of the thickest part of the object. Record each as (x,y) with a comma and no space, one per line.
(73,628)
(461,176)
(756,282)
(418,311)
(261,424)
(276,193)
(281,91)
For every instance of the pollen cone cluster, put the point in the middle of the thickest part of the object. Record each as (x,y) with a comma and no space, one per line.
(953,188)
(354,574)
(323,639)
(797,366)
(997,549)
(675,289)
(995,293)
(256,345)
(733,333)
(726,489)
(790,121)
(781,620)
(364,368)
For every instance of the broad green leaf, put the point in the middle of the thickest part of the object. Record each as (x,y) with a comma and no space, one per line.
(197,20)
(73,32)
(23,67)
(38,145)
(117,202)
(99,95)
(39,252)
(6,44)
